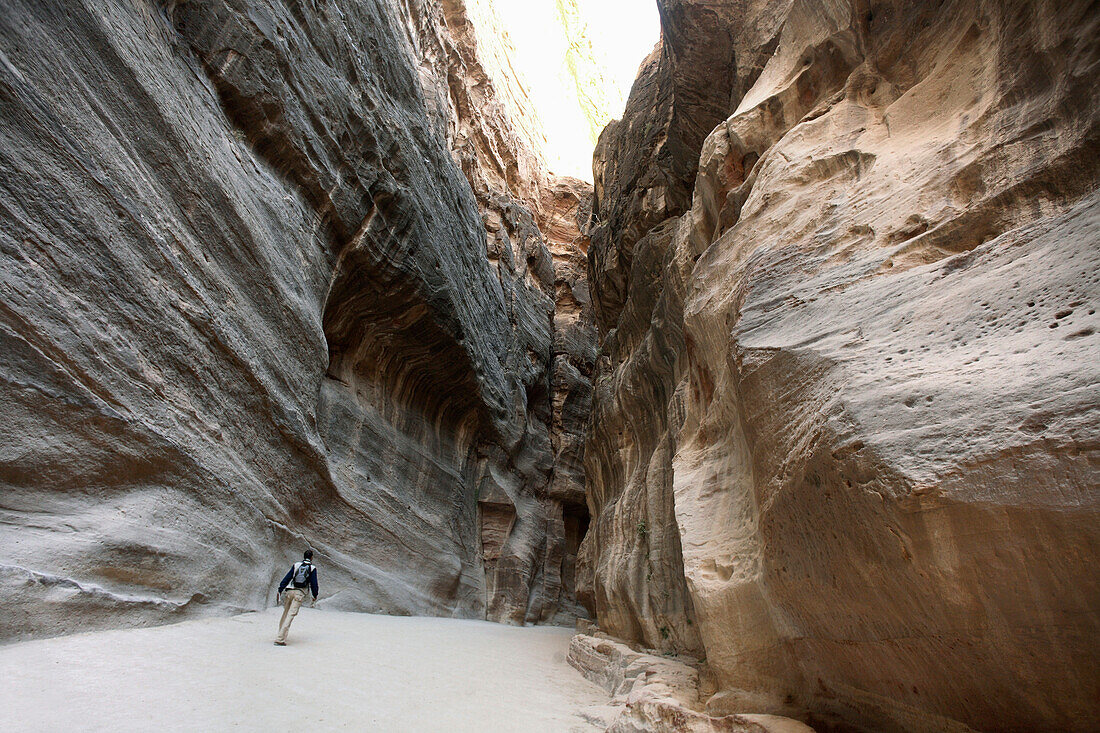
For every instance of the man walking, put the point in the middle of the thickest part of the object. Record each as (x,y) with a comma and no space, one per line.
(302,575)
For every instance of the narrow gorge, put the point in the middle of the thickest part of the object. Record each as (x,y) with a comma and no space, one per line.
(793,412)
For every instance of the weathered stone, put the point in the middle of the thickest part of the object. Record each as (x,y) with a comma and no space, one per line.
(631,569)
(654,694)
(872,337)
(272,276)
(277,274)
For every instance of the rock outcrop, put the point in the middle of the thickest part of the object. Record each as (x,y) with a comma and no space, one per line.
(652,694)
(272,275)
(846,413)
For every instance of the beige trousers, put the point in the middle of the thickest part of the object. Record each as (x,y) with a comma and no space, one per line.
(292,601)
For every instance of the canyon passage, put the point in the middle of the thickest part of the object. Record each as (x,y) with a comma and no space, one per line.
(792,413)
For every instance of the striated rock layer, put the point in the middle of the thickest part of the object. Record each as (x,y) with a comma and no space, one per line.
(273,275)
(847,410)
(631,568)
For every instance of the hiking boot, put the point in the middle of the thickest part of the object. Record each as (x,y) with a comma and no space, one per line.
(280,643)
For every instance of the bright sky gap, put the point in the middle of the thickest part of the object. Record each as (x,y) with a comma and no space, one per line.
(578,59)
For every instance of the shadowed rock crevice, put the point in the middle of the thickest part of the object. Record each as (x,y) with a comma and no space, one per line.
(400,414)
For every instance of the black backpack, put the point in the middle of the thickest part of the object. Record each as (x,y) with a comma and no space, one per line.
(301,574)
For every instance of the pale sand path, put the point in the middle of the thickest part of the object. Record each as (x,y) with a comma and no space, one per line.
(339,671)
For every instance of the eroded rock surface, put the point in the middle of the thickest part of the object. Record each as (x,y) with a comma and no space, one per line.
(645,168)
(272,275)
(850,389)
(657,694)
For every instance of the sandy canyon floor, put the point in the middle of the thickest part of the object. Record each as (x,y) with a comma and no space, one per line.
(339,671)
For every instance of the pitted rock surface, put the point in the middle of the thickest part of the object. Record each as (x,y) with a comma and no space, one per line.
(849,392)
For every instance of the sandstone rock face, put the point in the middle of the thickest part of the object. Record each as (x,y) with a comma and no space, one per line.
(655,694)
(869,348)
(631,569)
(272,275)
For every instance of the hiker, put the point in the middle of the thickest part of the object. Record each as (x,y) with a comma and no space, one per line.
(302,575)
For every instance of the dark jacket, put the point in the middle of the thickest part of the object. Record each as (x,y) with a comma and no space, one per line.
(312,579)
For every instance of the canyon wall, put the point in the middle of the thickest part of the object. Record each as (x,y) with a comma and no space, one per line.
(278,274)
(273,276)
(844,439)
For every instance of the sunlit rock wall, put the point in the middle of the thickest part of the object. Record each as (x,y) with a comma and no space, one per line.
(867,343)
(272,276)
